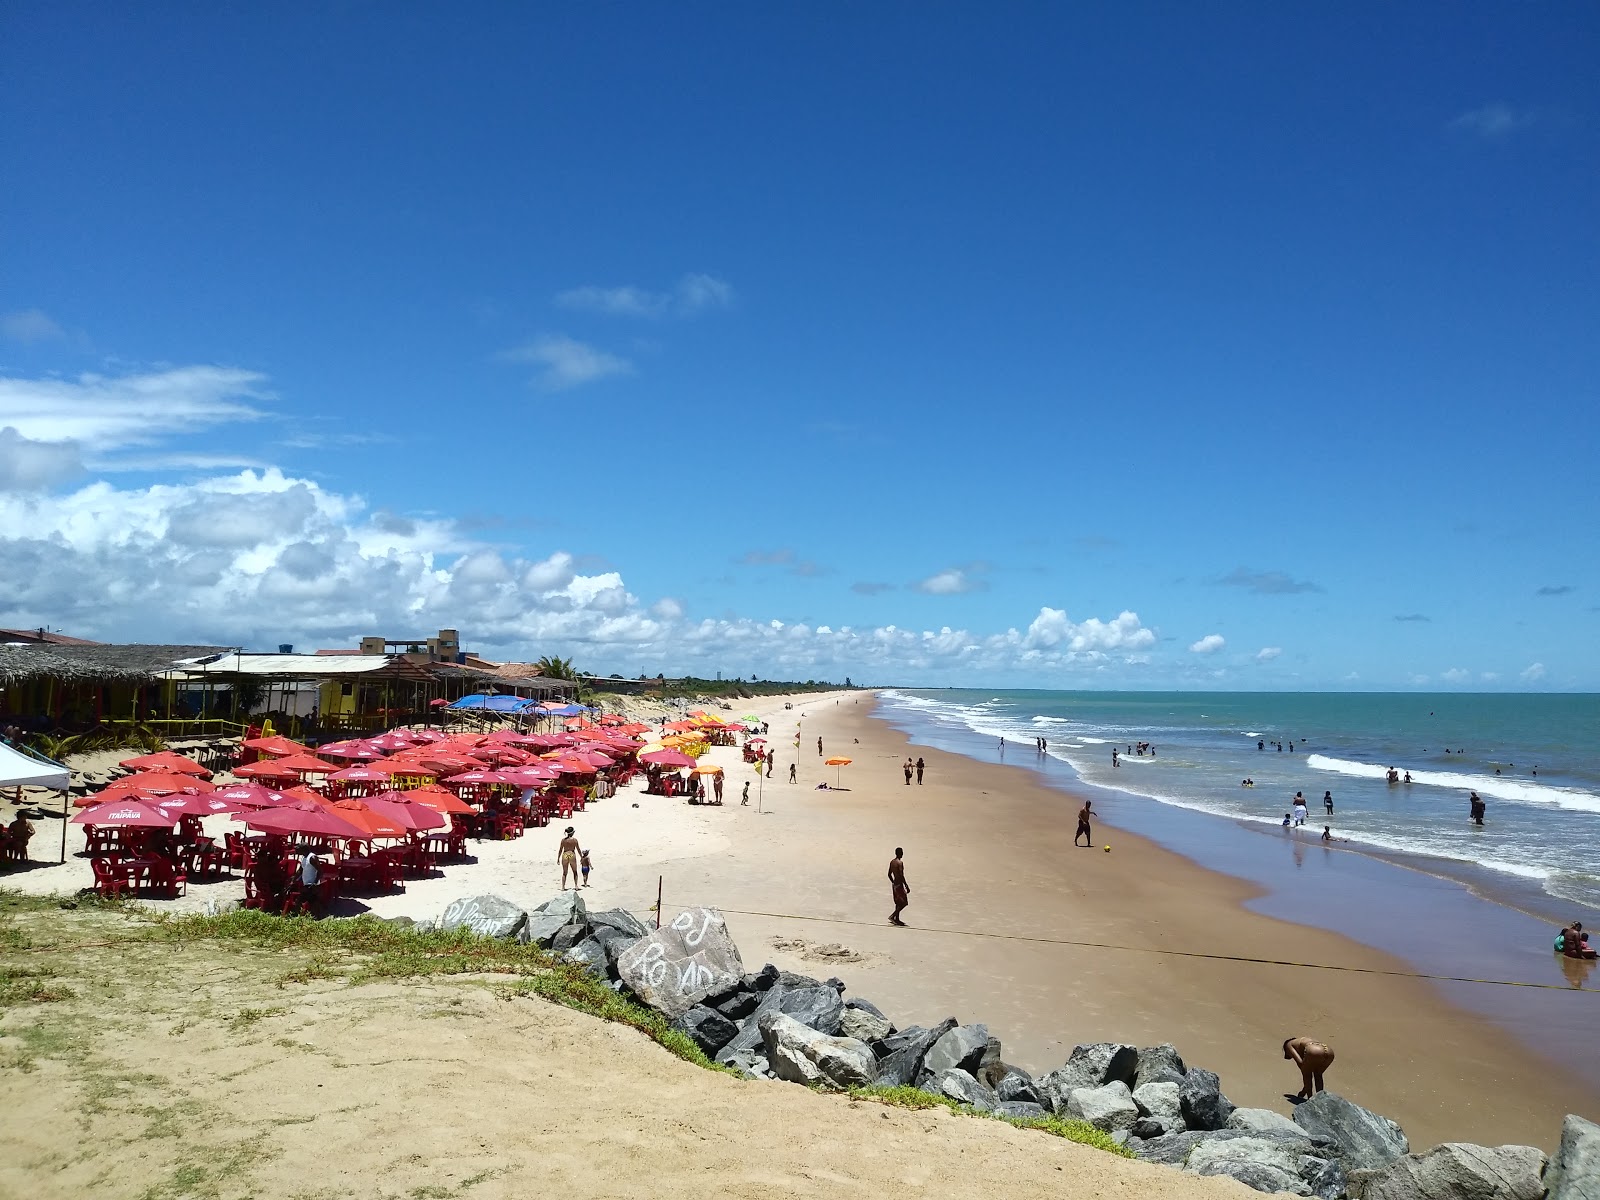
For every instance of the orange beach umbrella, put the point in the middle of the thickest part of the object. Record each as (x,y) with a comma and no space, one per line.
(841,763)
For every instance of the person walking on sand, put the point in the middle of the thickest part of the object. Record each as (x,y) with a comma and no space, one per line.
(745,799)
(567,855)
(1313,1059)
(908,769)
(819,747)
(716,786)
(1084,831)
(772,759)
(898,887)
(583,865)
(791,775)
(920,765)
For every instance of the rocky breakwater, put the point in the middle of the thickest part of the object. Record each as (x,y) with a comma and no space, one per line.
(773,1024)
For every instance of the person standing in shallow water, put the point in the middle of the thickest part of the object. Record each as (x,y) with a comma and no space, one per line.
(898,887)
(1313,1058)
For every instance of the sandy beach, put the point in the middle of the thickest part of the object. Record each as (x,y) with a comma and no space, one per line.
(1010,925)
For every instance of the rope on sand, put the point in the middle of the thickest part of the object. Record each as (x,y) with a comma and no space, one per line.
(1239,958)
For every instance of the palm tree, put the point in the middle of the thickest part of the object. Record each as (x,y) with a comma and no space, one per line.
(557,668)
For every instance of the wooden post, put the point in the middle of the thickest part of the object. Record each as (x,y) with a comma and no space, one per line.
(659,879)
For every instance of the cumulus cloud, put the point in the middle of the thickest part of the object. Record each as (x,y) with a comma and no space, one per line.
(1493,121)
(1267,583)
(1210,644)
(27,465)
(1268,653)
(29,325)
(1560,589)
(693,294)
(1455,675)
(953,581)
(1052,628)
(1533,673)
(565,362)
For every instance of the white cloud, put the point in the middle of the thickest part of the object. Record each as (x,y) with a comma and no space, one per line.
(1268,653)
(29,325)
(693,294)
(27,465)
(1210,644)
(1455,675)
(1418,680)
(1493,121)
(1052,628)
(1533,673)
(567,362)
(1490,676)
(952,582)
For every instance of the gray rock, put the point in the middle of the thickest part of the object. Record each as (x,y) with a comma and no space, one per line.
(817,1007)
(867,1026)
(1174,1146)
(1255,1162)
(1201,1099)
(1017,1086)
(1574,1172)
(1020,1109)
(736,1005)
(619,919)
(1089,1067)
(868,1006)
(799,1054)
(761,980)
(568,905)
(1460,1171)
(901,1063)
(1146,1128)
(486,915)
(590,953)
(677,966)
(1324,1176)
(835,983)
(1364,1140)
(1159,1102)
(963,1047)
(568,936)
(1264,1120)
(707,1028)
(750,1063)
(543,927)
(1159,1064)
(962,1086)
(617,944)
(791,980)
(1109,1108)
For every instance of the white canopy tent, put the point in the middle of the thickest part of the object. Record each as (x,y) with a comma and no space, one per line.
(18,769)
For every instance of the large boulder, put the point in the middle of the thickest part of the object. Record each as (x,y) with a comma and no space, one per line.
(962,1086)
(963,1047)
(486,915)
(760,981)
(1017,1086)
(1159,1102)
(1158,1064)
(1574,1172)
(1264,1120)
(1326,1177)
(1201,1099)
(568,905)
(546,925)
(1460,1171)
(1019,1110)
(619,919)
(1363,1140)
(1110,1108)
(818,1007)
(676,967)
(1173,1148)
(568,936)
(752,1064)
(901,1054)
(707,1028)
(1255,1162)
(800,1054)
(590,953)
(1090,1067)
(865,1024)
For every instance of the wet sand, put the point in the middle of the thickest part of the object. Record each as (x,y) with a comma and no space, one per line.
(999,895)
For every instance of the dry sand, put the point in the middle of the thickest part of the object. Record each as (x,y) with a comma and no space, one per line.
(185,1072)
(999,895)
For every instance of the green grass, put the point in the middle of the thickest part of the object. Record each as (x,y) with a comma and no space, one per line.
(1081,1132)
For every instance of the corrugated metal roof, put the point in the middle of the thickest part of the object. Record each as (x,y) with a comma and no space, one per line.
(305,666)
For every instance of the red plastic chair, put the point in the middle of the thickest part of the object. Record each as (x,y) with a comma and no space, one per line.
(167,881)
(109,880)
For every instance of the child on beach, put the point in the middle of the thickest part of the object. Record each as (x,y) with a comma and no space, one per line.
(583,865)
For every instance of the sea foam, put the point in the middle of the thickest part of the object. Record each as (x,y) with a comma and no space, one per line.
(1497,786)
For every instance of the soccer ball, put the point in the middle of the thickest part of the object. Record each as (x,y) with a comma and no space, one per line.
(1108,849)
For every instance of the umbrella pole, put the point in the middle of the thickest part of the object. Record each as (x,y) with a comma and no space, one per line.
(65,799)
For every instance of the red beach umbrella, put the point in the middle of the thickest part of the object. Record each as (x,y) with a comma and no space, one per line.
(275,745)
(438,799)
(398,806)
(366,774)
(166,762)
(528,777)
(135,814)
(377,824)
(267,768)
(352,748)
(479,776)
(249,795)
(304,818)
(576,766)
(199,806)
(667,758)
(305,764)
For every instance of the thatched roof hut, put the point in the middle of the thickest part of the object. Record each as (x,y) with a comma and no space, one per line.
(94,664)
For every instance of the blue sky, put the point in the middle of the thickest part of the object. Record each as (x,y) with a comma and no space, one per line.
(1234,346)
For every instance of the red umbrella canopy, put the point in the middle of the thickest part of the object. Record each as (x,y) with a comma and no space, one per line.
(352,748)
(424,736)
(305,764)
(275,745)
(576,766)
(512,737)
(501,755)
(438,799)
(478,776)
(301,794)
(597,758)
(377,824)
(267,768)
(667,758)
(398,806)
(199,806)
(633,727)
(368,774)
(398,739)
(304,818)
(135,814)
(167,762)
(528,777)
(445,762)
(249,795)
(551,741)
(159,783)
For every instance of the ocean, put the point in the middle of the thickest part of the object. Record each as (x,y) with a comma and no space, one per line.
(1534,759)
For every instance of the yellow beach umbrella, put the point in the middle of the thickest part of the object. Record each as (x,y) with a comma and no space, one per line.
(841,763)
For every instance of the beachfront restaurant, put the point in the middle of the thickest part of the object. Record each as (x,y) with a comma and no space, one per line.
(354,691)
(47,687)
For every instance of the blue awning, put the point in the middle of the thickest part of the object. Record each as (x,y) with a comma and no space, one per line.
(500,704)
